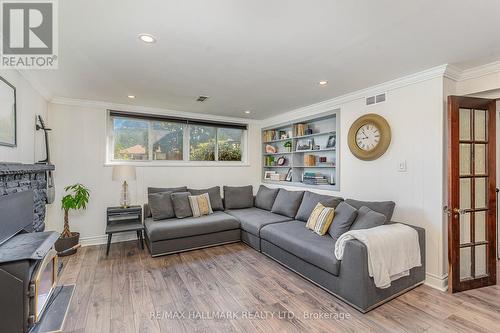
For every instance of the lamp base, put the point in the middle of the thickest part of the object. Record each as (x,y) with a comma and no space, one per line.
(124,200)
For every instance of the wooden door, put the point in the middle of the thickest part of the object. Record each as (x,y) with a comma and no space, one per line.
(471,193)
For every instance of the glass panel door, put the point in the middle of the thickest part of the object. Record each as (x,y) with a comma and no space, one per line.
(472,183)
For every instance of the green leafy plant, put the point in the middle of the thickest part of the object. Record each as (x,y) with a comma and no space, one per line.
(77,198)
(288,144)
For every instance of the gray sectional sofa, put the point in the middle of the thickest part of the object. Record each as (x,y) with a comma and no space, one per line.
(273,223)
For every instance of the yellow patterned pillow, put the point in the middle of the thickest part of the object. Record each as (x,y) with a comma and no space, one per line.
(320,219)
(200,204)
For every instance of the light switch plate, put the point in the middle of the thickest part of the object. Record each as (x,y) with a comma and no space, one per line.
(402,166)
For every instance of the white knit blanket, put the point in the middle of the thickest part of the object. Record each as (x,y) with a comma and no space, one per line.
(393,249)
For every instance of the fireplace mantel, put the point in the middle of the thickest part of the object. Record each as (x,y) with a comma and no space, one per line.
(19,168)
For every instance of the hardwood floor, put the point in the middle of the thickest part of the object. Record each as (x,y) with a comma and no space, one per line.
(233,288)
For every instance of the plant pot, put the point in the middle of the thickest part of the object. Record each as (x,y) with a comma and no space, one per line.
(66,243)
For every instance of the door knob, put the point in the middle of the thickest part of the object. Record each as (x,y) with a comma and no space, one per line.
(458,211)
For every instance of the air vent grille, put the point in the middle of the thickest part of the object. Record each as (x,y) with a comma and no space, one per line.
(202,98)
(375,99)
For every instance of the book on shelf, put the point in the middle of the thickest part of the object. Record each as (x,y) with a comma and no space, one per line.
(314,178)
(299,129)
(269,135)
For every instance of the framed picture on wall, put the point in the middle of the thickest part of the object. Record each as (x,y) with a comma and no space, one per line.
(8,131)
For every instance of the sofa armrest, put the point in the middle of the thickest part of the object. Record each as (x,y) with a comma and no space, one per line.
(146,211)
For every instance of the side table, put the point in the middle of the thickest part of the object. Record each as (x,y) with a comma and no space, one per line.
(119,219)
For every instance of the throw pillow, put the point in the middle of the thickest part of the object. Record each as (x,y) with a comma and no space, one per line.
(200,204)
(345,215)
(367,219)
(382,207)
(213,193)
(238,197)
(287,202)
(265,197)
(309,202)
(161,205)
(321,218)
(182,208)
(166,189)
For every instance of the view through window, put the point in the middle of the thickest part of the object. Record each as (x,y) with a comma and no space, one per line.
(134,139)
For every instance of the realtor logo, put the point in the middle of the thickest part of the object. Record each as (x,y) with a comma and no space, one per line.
(29,31)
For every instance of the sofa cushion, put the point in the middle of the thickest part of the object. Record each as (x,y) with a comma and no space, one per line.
(320,219)
(166,189)
(344,217)
(214,193)
(200,205)
(161,205)
(180,201)
(253,219)
(309,202)
(238,197)
(383,207)
(296,239)
(190,226)
(287,202)
(367,219)
(265,197)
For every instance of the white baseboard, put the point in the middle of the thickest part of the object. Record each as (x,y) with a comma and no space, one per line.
(103,239)
(436,282)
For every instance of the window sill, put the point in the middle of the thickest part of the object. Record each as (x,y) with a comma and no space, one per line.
(171,164)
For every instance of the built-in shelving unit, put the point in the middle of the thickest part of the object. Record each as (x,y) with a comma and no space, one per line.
(307,148)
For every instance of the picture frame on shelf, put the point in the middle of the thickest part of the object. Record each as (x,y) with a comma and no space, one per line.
(331,141)
(267,174)
(281,161)
(289,175)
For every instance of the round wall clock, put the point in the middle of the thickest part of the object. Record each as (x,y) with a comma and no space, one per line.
(369,137)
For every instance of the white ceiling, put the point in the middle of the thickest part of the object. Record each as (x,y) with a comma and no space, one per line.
(259,55)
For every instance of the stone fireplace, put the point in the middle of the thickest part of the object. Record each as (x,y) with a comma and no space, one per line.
(16,178)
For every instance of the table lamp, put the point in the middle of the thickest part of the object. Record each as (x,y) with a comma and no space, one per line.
(124,173)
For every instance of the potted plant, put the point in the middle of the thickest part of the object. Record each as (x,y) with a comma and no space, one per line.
(77,198)
(288,145)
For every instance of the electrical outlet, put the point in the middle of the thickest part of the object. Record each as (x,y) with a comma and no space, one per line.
(402,166)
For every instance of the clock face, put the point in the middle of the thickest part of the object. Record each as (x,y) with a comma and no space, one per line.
(368,137)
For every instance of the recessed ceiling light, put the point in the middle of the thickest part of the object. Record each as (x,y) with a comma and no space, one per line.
(147,38)
(247,111)
(323,83)
(131,96)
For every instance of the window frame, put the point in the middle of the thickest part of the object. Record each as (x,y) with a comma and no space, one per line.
(110,141)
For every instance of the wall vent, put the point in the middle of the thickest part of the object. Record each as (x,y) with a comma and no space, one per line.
(202,98)
(375,99)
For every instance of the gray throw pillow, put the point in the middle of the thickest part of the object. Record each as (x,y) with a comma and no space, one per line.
(182,208)
(343,218)
(265,197)
(367,219)
(309,202)
(166,189)
(382,207)
(161,205)
(287,202)
(238,197)
(213,193)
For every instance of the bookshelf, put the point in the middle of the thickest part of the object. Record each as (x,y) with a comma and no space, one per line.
(307,147)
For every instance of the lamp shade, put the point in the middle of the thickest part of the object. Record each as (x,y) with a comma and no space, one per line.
(123,172)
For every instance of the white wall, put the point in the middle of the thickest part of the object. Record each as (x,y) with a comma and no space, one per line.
(29,104)
(416,115)
(79,156)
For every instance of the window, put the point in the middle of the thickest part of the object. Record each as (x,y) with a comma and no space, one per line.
(137,137)
(229,144)
(202,143)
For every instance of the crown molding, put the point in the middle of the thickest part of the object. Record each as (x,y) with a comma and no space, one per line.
(145,109)
(458,74)
(336,102)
